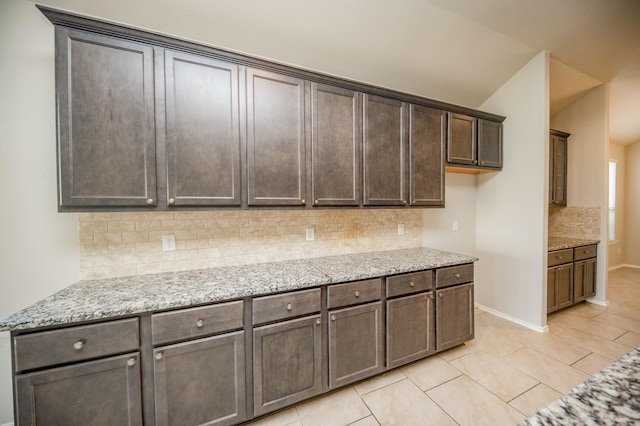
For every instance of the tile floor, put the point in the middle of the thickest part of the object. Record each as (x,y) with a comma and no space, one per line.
(501,377)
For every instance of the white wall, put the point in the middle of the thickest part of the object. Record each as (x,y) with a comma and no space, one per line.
(616,248)
(631,248)
(38,247)
(587,120)
(511,207)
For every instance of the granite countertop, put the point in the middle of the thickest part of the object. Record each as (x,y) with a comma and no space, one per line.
(611,397)
(560,243)
(114,297)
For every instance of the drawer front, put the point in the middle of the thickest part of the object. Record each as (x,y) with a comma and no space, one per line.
(284,306)
(409,283)
(196,322)
(586,252)
(453,275)
(354,293)
(75,343)
(559,257)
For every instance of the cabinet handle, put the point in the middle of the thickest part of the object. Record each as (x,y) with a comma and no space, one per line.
(131,362)
(318,321)
(357,293)
(457,275)
(412,284)
(79,344)
(172,201)
(333,317)
(159,356)
(289,306)
(149,201)
(200,323)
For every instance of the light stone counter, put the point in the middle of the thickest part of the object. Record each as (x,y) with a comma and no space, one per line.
(560,243)
(115,297)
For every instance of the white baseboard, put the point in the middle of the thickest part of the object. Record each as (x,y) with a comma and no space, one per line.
(627,265)
(514,319)
(614,267)
(598,302)
(7,424)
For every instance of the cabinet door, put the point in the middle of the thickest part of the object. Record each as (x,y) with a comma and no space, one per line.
(384,151)
(202,131)
(558,171)
(584,280)
(275,139)
(565,286)
(201,381)
(356,346)
(552,290)
(336,140)
(106,139)
(454,316)
(287,363)
(461,139)
(410,328)
(489,144)
(103,392)
(427,130)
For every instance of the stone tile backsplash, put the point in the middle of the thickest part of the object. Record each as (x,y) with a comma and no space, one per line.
(576,222)
(121,244)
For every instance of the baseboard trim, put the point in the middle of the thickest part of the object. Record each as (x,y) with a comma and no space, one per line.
(598,302)
(514,319)
(628,265)
(8,424)
(614,267)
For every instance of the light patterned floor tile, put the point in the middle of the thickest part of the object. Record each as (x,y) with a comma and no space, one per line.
(287,417)
(367,421)
(494,374)
(493,342)
(535,399)
(403,403)
(593,363)
(554,346)
(630,339)
(471,404)
(338,408)
(629,324)
(588,326)
(430,372)
(595,344)
(376,383)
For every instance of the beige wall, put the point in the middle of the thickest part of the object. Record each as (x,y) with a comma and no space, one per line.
(616,249)
(631,248)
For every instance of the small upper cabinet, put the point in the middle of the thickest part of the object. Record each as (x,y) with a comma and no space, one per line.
(473,144)
(106,140)
(461,143)
(275,139)
(558,168)
(489,144)
(427,134)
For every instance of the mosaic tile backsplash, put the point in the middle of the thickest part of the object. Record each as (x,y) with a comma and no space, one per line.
(122,244)
(575,222)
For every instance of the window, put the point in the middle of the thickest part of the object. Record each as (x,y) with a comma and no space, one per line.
(612,200)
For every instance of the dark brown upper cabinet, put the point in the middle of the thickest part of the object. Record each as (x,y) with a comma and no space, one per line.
(427,135)
(275,139)
(558,149)
(105,105)
(385,141)
(336,139)
(202,131)
(473,144)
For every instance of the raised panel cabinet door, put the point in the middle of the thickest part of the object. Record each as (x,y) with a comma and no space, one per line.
(558,169)
(427,135)
(489,144)
(384,145)
(584,280)
(287,363)
(201,381)
(410,328)
(103,392)
(552,290)
(202,131)
(462,139)
(565,286)
(275,139)
(454,316)
(590,278)
(106,134)
(356,346)
(336,140)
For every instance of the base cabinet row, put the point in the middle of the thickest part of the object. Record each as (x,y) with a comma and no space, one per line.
(208,366)
(571,277)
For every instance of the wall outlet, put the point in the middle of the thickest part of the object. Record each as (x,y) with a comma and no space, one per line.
(456,225)
(168,243)
(401,229)
(310,234)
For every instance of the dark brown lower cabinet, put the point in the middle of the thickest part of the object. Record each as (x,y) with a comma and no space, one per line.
(287,363)
(410,328)
(559,287)
(356,346)
(102,392)
(584,280)
(201,381)
(454,316)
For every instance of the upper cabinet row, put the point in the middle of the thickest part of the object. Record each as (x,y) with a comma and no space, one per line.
(144,126)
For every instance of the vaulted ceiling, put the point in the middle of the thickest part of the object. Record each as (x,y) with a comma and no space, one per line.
(458,51)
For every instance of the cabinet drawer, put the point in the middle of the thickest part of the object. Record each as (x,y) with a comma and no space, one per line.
(586,252)
(409,283)
(559,257)
(354,293)
(196,322)
(75,343)
(453,275)
(287,305)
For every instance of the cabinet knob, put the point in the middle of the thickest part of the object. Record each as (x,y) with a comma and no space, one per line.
(357,293)
(318,321)
(440,294)
(159,356)
(172,201)
(316,202)
(149,201)
(200,323)
(289,307)
(457,275)
(558,257)
(79,344)
(302,201)
(404,202)
(131,362)
(412,284)
(431,296)
(333,317)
